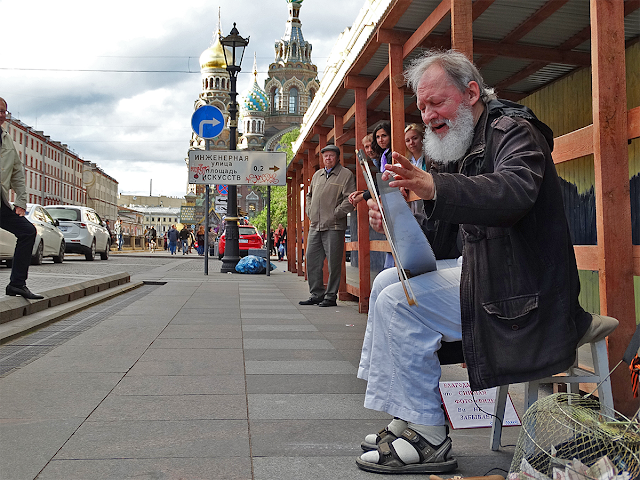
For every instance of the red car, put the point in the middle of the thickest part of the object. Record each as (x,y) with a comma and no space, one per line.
(249,238)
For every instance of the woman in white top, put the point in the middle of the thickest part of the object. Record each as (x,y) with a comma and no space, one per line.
(413,135)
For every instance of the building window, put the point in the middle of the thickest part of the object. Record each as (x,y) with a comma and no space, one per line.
(293,100)
(274,100)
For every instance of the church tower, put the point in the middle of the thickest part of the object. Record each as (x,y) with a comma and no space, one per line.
(292,81)
(254,106)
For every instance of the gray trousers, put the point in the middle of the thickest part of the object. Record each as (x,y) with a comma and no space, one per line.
(329,244)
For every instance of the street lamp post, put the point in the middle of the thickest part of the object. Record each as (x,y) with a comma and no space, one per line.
(233,46)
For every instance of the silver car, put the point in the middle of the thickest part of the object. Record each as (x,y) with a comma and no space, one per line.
(83,229)
(49,239)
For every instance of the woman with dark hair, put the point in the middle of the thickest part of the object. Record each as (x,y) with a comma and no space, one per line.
(382,143)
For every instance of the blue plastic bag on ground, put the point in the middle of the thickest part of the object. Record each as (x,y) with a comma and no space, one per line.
(253,264)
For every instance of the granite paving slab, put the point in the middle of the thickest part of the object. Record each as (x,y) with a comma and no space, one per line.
(305,406)
(336,367)
(181,385)
(158,439)
(230,468)
(172,407)
(304,384)
(286,344)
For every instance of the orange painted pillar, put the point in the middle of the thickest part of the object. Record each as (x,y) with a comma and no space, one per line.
(299,212)
(461,27)
(364,268)
(308,173)
(291,223)
(396,97)
(613,208)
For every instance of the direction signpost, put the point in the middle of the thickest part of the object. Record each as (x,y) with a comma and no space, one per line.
(207,122)
(237,167)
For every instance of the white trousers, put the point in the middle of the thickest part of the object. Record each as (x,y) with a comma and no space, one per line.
(399,359)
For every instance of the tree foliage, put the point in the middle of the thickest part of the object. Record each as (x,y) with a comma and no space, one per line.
(278,210)
(278,194)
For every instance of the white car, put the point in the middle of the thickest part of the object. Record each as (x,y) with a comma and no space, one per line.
(83,229)
(49,239)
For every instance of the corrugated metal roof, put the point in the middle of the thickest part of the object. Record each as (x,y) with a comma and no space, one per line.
(519,71)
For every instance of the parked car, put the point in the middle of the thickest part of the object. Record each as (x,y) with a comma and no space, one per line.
(248,238)
(83,229)
(49,239)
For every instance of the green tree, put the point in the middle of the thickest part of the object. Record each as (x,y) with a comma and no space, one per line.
(278,194)
(278,210)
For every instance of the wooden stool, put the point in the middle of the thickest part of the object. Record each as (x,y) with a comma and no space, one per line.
(572,377)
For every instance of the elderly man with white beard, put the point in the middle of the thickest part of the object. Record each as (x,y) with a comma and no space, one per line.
(512,298)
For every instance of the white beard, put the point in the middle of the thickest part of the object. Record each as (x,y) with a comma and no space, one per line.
(456,142)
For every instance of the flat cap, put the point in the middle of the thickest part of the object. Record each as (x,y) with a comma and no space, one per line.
(331,148)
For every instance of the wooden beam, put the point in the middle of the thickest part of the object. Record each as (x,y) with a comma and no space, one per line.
(350,113)
(335,110)
(362,215)
(399,37)
(461,27)
(613,208)
(587,257)
(321,130)
(573,145)
(299,224)
(352,81)
(345,137)
(531,52)
(379,82)
(396,98)
(425,29)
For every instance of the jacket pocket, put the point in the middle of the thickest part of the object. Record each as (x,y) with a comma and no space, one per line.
(513,308)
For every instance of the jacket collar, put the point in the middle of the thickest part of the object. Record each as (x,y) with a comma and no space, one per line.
(334,170)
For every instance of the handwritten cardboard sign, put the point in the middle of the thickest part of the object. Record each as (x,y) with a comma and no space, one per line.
(467,409)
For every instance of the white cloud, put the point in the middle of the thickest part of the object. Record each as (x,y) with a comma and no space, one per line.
(136,126)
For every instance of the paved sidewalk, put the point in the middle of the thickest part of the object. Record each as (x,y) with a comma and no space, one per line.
(217,377)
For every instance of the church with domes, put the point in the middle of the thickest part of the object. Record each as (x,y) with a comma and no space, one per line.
(265,114)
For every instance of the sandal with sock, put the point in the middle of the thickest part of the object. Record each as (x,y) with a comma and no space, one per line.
(372,441)
(409,453)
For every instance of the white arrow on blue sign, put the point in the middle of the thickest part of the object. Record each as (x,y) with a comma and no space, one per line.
(207,121)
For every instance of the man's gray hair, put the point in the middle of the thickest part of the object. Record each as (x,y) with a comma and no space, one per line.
(456,65)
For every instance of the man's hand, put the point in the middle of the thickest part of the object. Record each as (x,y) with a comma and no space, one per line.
(409,176)
(355,197)
(375,217)
(20,211)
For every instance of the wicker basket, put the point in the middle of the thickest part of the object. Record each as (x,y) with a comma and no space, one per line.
(565,426)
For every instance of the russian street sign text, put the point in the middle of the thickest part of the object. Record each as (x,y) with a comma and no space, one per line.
(240,167)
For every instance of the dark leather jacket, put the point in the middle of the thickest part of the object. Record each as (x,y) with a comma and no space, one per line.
(521,319)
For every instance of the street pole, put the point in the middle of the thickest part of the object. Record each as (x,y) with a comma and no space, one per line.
(232,249)
(207,147)
(268,230)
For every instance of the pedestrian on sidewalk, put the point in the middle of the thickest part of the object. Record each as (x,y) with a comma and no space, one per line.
(12,217)
(173,236)
(327,209)
(200,240)
(184,235)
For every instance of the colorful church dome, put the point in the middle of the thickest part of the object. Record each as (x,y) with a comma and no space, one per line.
(255,98)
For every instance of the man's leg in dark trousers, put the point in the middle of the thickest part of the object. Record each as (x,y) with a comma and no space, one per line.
(333,243)
(315,261)
(25,232)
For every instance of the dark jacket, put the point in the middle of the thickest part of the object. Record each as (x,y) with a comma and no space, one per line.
(521,319)
(173,235)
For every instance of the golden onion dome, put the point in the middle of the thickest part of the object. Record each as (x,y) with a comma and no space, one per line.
(213,57)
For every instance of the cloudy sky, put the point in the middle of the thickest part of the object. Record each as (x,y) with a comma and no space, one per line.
(116,81)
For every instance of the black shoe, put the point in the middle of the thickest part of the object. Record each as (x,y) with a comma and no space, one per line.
(311,301)
(328,303)
(23,292)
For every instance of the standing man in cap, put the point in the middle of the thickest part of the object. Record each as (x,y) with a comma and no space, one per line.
(327,208)
(12,218)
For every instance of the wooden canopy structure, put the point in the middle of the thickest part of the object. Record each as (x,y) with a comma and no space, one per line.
(570,60)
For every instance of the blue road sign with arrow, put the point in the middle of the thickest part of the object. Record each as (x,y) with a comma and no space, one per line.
(207,121)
